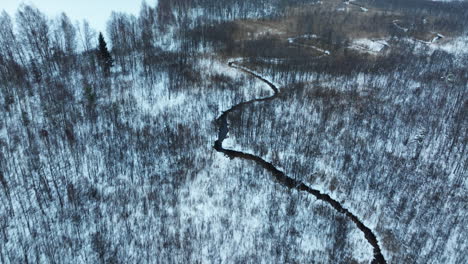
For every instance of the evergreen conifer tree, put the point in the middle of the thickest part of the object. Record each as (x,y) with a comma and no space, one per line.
(104,55)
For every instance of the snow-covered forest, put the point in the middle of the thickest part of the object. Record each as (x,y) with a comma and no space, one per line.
(230,131)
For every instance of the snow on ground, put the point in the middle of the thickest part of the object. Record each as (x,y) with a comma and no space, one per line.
(363,252)
(166,101)
(395,22)
(230,143)
(3,132)
(219,198)
(458,45)
(167,41)
(326,52)
(229,86)
(156,99)
(308,36)
(215,66)
(374,46)
(258,82)
(455,46)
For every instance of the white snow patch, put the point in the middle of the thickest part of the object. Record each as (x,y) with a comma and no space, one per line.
(457,45)
(3,133)
(230,143)
(157,99)
(308,36)
(399,27)
(369,45)
(362,250)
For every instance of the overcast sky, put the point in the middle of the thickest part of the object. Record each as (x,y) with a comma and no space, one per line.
(95,11)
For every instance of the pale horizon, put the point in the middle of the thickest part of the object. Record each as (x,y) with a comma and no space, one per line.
(95,12)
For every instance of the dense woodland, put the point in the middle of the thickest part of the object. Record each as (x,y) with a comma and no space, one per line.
(106,138)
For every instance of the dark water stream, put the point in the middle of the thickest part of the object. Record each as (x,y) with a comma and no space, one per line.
(280,176)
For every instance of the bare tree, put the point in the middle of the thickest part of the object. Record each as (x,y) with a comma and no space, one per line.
(88,45)
(10,48)
(87,36)
(122,31)
(64,41)
(35,33)
(164,14)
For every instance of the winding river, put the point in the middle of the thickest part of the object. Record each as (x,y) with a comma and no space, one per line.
(280,176)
